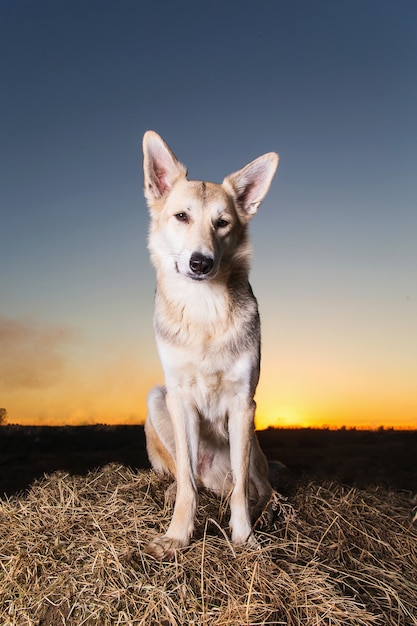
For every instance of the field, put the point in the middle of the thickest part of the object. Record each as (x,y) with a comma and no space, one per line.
(342,550)
(354,457)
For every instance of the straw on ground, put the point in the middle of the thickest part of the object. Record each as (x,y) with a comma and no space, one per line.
(71,553)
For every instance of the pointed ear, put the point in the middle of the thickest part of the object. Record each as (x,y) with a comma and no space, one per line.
(250,185)
(161,167)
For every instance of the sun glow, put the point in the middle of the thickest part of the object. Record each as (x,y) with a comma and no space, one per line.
(281,416)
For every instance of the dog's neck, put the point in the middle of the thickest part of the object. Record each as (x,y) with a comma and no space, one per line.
(215,306)
(193,298)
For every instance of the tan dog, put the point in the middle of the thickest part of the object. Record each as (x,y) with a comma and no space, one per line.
(200,426)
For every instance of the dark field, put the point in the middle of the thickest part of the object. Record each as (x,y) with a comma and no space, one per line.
(353,457)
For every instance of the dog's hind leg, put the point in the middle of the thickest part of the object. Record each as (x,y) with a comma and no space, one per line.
(160,443)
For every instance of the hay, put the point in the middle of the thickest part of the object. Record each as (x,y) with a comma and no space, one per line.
(72,553)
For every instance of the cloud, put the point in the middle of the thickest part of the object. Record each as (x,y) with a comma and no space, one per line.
(31,354)
(53,374)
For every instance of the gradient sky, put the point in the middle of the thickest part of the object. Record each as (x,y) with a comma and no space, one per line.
(330,85)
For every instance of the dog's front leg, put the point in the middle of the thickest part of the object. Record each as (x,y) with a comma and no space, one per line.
(185,424)
(240,437)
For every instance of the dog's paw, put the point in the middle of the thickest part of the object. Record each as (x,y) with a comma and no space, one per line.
(163,548)
(241,531)
(247,541)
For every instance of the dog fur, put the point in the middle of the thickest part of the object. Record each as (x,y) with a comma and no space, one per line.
(200,425)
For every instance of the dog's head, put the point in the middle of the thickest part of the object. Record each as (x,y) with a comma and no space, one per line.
(197,228)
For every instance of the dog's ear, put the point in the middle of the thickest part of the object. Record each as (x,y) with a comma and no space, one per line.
(161,167)
(250,185)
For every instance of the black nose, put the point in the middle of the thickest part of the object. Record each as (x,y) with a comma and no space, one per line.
(200,264)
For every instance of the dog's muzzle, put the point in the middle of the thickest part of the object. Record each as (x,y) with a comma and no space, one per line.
(201,265)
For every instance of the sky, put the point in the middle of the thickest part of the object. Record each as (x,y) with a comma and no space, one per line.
(330,85)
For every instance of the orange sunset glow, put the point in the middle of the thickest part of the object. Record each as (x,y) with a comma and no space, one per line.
(49,378)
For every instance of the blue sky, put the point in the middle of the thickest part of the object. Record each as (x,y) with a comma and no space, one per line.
(330,85)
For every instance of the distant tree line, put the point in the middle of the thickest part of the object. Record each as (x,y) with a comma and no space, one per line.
(3,417)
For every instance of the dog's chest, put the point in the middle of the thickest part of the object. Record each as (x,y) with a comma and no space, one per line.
(209,346)
(205,324)
(209,380)
(213,393)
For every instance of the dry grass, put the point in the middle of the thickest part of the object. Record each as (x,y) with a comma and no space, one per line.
(71,552)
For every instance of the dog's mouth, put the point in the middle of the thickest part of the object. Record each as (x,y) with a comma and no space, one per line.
(197,277)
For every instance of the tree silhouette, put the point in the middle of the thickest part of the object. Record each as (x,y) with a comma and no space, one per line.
(3,417)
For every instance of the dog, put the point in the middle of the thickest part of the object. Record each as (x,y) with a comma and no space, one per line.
(200,425)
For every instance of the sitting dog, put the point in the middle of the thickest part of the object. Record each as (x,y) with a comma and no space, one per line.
(200,425)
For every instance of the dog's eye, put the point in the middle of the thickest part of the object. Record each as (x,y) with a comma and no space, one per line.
(182,217)
(222,223)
